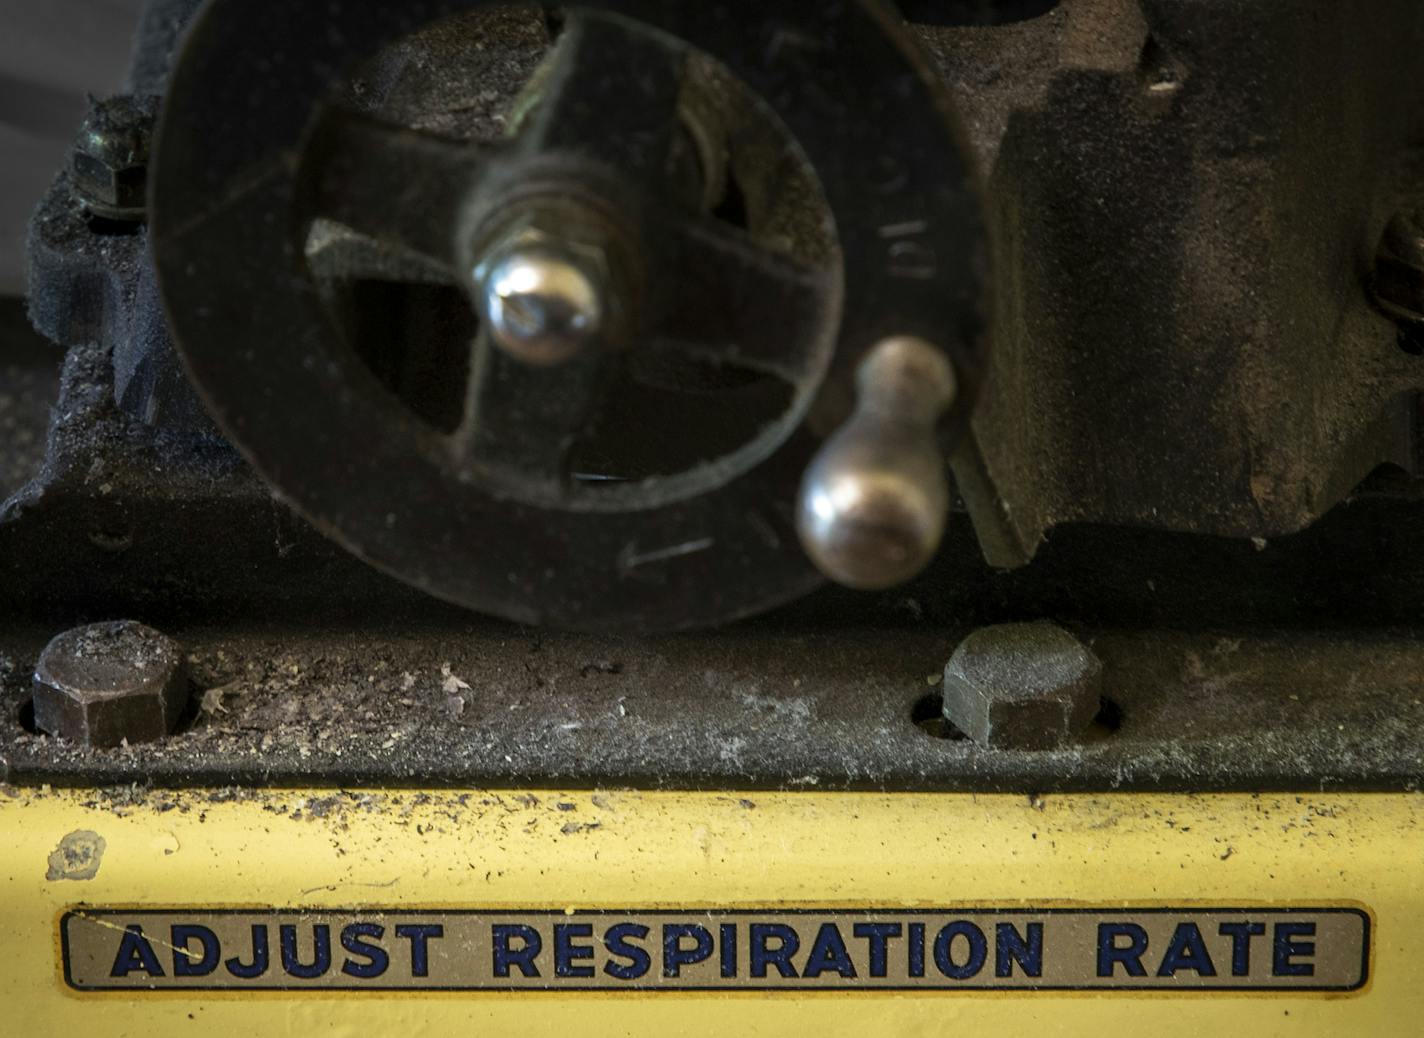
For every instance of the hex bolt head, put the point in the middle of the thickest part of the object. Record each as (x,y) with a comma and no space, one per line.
(108,683)
(109,167)
(1022,687)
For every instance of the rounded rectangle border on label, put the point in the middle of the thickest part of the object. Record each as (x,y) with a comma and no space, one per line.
(1022,949)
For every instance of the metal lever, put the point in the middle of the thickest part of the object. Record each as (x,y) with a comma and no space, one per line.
(875,501)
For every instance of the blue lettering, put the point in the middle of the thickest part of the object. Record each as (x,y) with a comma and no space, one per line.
(944,950)
(567,953)
(1241,934)
(377,961)
(185,964)
(618,942)
(1187,951)
(828,954)
(729,950)
(1111,954)
(763,956)
(258,966)
(1287,948)
(675,956)
(419,935)
(1012,947)
(135,955)
(507,957)
(878,936)
(321,961)
(916,953)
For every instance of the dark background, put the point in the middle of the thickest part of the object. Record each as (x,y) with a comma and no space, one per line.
(52,52)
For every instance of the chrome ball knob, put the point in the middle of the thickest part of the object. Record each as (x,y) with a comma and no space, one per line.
(875,501)
(541,304)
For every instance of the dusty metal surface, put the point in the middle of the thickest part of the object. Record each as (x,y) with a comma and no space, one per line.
(29,386)
(785,706)
(1185,220)
(355,679)
(127,520)
(1144,161)
(1078,117)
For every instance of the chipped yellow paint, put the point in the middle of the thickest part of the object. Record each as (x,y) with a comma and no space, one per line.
(621,849)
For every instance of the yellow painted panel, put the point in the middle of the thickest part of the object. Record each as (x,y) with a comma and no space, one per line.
(621,850)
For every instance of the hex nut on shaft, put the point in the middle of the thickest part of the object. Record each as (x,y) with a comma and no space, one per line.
(109,683)
(1022,687)
(109,165)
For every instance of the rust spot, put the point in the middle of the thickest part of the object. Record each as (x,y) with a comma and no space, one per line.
(77,857)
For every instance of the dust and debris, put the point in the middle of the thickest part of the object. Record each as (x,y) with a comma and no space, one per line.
(460,77)
(452,683)
(791,710)
(336,814)
(77,857)
(211,701)
(29,384)
(796,709)
(130,645)
(730,750)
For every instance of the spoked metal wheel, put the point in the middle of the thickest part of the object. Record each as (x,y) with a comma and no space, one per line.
(656,342)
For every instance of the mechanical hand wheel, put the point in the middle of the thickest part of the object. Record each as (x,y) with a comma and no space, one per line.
(716,280)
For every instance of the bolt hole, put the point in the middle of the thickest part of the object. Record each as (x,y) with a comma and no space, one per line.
(27,719)
(1411,341)
(953,13)
(1157,68)
(109,228)
(1107,722)
(192,712)
(928,716)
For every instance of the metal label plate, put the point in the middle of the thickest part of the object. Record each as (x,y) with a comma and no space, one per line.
(1019,949)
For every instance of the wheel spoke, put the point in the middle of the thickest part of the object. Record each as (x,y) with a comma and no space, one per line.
(398,187)
(335,253)
(611,96)
(522,421)
(719,296)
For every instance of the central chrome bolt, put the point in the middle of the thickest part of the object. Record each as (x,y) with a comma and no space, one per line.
(542,303)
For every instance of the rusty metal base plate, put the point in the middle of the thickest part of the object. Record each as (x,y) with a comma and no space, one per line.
(756,706)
